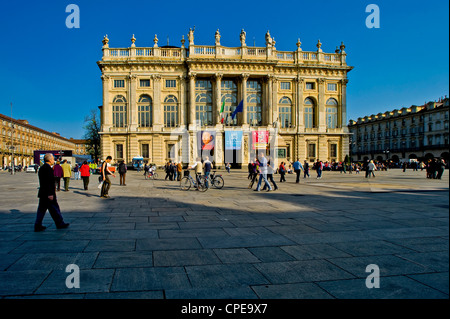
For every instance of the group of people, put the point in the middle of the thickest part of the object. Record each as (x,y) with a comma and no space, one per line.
(173,171)
(435,168)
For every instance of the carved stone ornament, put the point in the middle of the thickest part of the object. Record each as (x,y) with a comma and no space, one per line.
(217,36)
(242,37)
(155,40)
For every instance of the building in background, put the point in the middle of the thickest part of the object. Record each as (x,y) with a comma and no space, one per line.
(413,133)
(157,101)
(19,139)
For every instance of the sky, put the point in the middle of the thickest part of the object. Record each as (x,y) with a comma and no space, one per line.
(50,75)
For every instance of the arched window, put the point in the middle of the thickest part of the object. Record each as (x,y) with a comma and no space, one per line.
(285,112)
(203,102)
(170,111)
(310,113)
(332,113)
(229,96)
(254,104)
(145,111)
(119,111)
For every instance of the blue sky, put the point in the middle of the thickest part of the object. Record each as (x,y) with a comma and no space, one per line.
(49,72)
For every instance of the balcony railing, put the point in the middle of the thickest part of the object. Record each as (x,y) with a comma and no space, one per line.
(221,52)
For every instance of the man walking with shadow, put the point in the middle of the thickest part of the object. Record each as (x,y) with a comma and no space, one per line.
(47,196)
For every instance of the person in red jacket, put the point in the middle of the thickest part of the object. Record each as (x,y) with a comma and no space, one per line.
(84,171)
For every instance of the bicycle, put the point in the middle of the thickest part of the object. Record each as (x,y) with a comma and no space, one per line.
(151,174)
(187,182)
(216,180)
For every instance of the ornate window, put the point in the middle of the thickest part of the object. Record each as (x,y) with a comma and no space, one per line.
(145,111)
(254,104)
(203,102)
(310,113)
(170,111)
(229,96)
(285,112)
(332,113)
(119,111)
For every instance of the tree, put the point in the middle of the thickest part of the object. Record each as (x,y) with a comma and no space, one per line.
(92,136)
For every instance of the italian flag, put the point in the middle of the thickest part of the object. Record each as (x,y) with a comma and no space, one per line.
(221,112)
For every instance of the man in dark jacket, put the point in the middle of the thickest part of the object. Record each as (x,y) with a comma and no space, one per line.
(47,196)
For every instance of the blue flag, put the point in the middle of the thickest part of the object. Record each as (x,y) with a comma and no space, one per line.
(239,108)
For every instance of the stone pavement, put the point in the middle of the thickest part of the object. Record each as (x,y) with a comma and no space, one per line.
(308,241)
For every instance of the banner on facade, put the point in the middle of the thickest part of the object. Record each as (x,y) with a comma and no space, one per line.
(233,140)
(260,139)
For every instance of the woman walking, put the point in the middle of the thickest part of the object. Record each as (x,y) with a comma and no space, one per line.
(85,173)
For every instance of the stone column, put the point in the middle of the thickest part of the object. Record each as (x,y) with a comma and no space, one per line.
(192,101)
(270,100)
(343,112)
(274,97)
(299,111)
(244,77)
(132,105)
(158,111)
(218,95)
(321,107)
(105,113)
(182,104)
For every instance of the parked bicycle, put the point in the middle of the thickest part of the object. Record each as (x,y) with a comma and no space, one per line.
(188,181)
(216,180)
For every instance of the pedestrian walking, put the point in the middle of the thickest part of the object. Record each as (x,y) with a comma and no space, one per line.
(262,173)
(47,196)
(255,172)
(179,170)
(440,169)
(270,172)
(370,169)
(122,173)
(105,172)
(319,168)
(167,169)
(85,173)
(67,174)
(58,174)
(282,170)
(305,169)
(228,167)
(297,169)
(76,172)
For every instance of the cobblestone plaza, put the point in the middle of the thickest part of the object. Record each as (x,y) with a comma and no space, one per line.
(311,240)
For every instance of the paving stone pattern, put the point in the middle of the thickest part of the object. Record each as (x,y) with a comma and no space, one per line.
(151,240)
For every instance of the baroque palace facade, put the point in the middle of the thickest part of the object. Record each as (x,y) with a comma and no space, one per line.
(158,102)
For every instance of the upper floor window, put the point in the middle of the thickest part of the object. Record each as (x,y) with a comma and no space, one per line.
(144,83)
(171,111)
(119,113)
(310,113)
(285,112)
(332,86)
(310,85)
(119,83)
(171,83)
(145,111)
(332,113)
(285,85)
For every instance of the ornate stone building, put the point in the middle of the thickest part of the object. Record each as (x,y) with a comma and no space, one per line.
(26,139)
(416,132)
(156,100)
